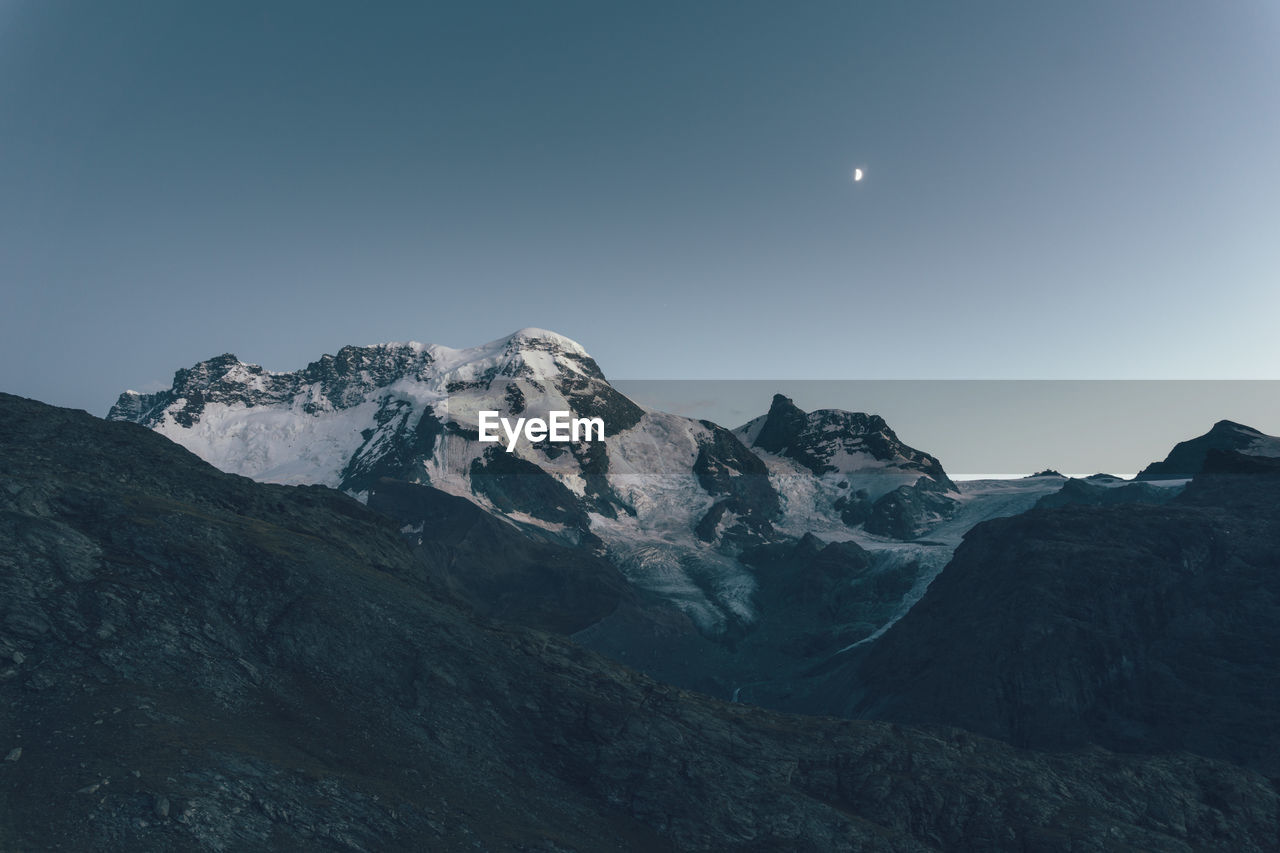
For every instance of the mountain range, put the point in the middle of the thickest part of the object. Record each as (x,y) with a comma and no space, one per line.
(685,545)
(193,660)
(401,637)
(670,503)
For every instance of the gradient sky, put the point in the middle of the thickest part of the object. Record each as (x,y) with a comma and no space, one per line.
(1053,190)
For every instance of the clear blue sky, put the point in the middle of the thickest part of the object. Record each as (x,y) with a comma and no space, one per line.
(1068,189)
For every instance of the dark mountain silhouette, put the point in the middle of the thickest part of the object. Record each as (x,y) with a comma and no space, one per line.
(1147,628)
(1187,457)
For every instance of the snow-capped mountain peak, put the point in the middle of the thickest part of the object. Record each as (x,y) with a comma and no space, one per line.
(836,442)
(857,470)
(532,353)
(671,499)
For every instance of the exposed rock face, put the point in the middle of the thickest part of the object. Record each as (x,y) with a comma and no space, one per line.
(513,485)
(780,430)
(1139,627)
(399,438)
(1187,457)
(202,662)
(909,511)
(820,440)
(890,488)
(727,470)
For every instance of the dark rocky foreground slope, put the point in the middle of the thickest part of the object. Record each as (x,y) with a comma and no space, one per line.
(1141,627)
(498,570)
(196,661)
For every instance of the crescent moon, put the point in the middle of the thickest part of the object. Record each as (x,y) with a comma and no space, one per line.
(857,175)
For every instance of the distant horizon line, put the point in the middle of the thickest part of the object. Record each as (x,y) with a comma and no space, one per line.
(966,478)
